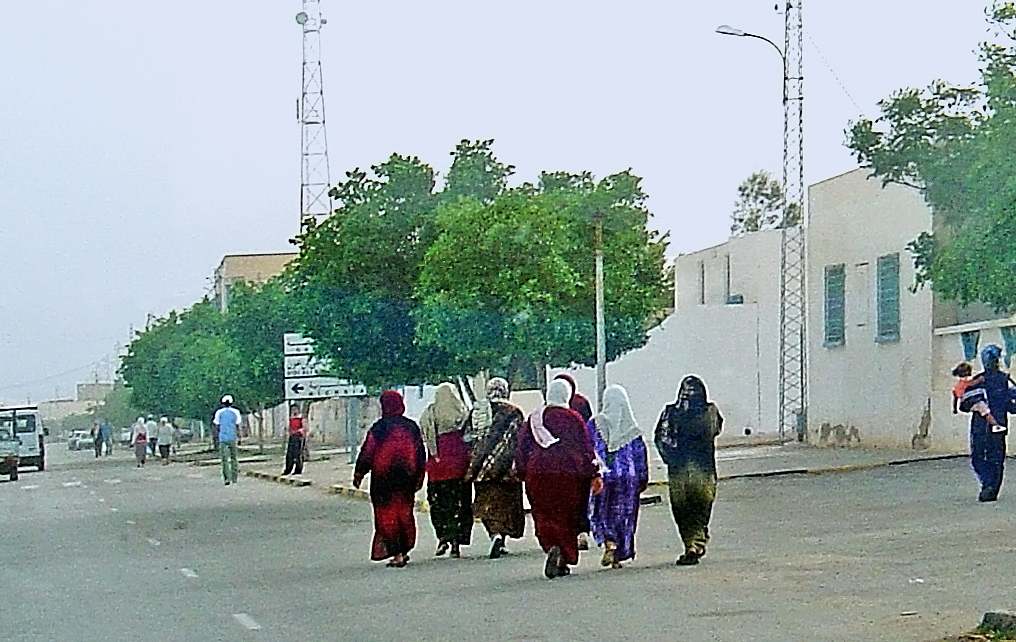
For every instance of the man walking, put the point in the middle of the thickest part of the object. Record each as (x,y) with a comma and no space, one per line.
(226,422)
(106,430)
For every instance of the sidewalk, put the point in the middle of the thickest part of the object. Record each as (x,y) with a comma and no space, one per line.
(330,471)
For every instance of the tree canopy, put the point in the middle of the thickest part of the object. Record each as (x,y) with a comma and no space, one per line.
(955,144)
(762,205)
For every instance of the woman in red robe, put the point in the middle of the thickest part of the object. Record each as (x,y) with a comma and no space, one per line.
(393,453)
(555,458)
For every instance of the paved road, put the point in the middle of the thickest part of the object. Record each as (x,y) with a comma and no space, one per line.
(99,550)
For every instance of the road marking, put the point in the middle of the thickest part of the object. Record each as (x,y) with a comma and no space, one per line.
(131,522)
(195,476)
(30,487)
(247,621)
(71,484)
(114,481)
(101,499)
(186,572)
(153,541)
(114,509)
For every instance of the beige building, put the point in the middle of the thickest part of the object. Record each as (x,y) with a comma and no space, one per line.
(250,268)
(879,353)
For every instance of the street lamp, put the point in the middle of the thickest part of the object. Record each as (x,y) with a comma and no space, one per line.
(727,30)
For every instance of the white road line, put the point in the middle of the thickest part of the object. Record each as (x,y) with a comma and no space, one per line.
(131,522)
(153,541)
(71,484)
(30,487)
(186,572)
(114,509)
(101,500)
(247,621)
(114,481)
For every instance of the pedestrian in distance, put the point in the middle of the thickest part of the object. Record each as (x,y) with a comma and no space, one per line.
(494,433)
(166,435)
(394,455)
(226,424)
(580,404)
(443,424)
(96,434)
(987,439)
(139,439)
(152,429)
(555,459)
(106,431)
(295,443)
(686,438)
(617,440)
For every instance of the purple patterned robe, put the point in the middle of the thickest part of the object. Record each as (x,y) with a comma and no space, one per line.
(613,514)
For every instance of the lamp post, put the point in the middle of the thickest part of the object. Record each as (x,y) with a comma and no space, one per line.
(793,325)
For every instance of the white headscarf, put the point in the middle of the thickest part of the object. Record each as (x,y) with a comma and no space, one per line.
(616,422)
(558,395)
(446,414)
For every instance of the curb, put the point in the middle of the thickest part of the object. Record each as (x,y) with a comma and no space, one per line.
(261,459)
(282,479)
(421,505)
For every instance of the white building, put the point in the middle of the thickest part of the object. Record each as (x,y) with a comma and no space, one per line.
(879,353)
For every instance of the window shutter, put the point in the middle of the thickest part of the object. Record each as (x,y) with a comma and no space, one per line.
(835,305)
(888,293)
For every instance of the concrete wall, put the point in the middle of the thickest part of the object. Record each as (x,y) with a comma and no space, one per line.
(734,348)
(867,392)
(949,431)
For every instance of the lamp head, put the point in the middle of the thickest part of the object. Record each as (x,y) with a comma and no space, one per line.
(727,30)
(301,18)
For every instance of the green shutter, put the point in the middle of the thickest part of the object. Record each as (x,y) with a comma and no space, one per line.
(835,305)
(888,298)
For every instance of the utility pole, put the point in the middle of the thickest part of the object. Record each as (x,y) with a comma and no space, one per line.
(601,334)
(793,326)
(314,174)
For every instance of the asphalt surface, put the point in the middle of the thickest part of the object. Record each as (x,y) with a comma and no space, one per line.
(100,550)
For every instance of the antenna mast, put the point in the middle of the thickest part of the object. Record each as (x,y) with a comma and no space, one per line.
(314,176)
(793,326)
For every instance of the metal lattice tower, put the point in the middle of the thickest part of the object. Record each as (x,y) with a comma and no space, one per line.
(314,175)
(793,325)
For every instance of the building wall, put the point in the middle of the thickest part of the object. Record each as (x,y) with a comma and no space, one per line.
(733,347)
(251,268)
(864,391)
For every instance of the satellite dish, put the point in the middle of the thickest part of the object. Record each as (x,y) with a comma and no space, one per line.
(301,18)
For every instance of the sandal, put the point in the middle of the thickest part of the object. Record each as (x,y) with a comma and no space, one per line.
(552,567)
(608,554)
(442,548)
(690,558)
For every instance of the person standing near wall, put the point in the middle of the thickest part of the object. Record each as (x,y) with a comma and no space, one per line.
(987,439)
(686,438)
(227,422)
(295,442)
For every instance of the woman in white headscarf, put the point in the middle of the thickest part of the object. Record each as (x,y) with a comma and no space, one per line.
(613,514)
(555,458)
(443,424)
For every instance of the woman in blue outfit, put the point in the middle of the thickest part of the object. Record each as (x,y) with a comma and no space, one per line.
(987,442)
(613,514)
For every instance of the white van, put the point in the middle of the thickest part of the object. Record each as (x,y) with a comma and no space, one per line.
(30,431)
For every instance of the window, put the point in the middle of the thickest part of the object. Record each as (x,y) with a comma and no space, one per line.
(888,294)
(835,305)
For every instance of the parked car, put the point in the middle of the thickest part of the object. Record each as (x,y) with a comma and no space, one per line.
(80,440)
(125,436)
(29,432)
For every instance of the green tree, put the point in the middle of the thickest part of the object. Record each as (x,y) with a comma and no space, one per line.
(513,278)
(955,145)
(761,205)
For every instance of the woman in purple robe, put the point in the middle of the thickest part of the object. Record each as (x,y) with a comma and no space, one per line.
(613,514)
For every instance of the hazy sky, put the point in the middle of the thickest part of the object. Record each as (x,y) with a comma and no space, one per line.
(139,142)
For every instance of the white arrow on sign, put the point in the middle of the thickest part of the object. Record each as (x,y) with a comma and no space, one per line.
(322,388)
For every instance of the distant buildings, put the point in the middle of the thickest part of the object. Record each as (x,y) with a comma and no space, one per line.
(88,396)
(250,268)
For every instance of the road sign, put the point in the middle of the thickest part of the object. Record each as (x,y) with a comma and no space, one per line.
(303,365)
(296,343)
(322,387)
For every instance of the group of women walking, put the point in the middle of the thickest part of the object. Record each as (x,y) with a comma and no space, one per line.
(581,472)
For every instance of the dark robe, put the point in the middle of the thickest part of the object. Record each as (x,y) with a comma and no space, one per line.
(498,501)
(395,456)
(987,448)
(558,479)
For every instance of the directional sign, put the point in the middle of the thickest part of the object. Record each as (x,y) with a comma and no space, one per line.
(303,365)
(322,387)
(296,343)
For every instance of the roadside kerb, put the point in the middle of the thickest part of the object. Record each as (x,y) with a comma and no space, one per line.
(282,479)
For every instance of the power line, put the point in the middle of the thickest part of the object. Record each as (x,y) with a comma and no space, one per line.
(835,77)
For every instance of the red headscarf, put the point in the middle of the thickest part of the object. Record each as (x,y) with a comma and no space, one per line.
(392,404)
